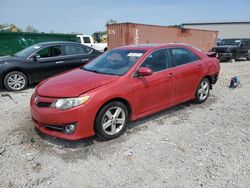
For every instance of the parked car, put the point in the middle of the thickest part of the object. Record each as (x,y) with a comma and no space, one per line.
(89,41)
(230,49)
(121,85)
(41,61)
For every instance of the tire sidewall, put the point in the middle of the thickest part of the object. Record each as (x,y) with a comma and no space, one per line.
(9,74)
(197,99)
(98,121)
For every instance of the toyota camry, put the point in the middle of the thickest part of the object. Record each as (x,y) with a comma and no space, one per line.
(119,86)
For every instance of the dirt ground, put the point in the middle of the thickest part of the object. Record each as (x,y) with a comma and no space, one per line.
(206,145)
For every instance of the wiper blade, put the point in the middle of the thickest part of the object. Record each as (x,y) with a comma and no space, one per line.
(91,70)
(99,72)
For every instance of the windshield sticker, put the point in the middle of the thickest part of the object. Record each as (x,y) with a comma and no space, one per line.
(237,40)
(134,54)
(36,47)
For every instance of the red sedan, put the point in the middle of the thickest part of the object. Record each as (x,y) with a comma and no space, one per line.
(121,85)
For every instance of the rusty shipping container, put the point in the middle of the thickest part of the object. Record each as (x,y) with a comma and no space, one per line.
(122,34)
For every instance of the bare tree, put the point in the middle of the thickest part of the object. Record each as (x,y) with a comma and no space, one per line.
(31,29)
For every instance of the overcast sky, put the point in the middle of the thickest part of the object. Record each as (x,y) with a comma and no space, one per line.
(88,16)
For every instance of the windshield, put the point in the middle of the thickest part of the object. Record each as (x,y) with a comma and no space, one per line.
(28,51)
(234,42)
(115,62)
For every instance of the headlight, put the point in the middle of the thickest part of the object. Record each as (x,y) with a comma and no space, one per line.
(64,104)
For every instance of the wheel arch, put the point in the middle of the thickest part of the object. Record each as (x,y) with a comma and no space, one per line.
(16,69)
(120,99)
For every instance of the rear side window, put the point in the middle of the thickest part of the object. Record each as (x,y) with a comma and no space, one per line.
(75,49)
(86,40)
(183,56)
(157,60)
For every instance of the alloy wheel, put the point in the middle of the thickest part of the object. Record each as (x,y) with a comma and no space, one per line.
(113,120)
(16,81)
(203,90)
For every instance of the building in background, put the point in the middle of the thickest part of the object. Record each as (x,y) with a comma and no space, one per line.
(226,29)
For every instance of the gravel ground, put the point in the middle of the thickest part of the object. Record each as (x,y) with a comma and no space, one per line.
(206,145)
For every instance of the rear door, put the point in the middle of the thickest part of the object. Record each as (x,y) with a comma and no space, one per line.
(77,55)
(244,47)
(188,73)
(154,91)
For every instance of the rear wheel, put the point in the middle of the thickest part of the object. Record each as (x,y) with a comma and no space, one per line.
(248,55)
(15,81)
(112,120)
(202,91)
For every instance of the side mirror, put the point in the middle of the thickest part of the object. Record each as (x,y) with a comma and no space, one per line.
(35,57)
(211,54)
(144,71)
(243,44)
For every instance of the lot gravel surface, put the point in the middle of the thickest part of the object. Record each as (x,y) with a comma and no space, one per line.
(190,145)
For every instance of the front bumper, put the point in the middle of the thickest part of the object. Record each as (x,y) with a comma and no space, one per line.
(51,121)
(224,56)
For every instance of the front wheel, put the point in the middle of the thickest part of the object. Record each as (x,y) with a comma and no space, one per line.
(112,120)
(248,55)
(202,91)
(15,81)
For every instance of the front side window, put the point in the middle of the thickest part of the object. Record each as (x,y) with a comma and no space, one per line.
(52,51)
(115,62)
(157,60)
(182,56)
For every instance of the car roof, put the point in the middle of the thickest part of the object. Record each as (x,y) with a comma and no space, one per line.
(56,42)
(149,46)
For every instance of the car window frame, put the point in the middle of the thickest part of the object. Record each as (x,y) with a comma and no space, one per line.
(62,55)
(76,54)
(42,48)
(174,61)
(169,59)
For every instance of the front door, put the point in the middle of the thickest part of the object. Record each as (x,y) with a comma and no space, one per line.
(50,62)
(156,90)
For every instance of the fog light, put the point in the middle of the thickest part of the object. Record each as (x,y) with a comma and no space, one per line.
(69,129)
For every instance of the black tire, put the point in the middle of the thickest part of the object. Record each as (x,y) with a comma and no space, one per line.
(201,95)
(102,118)
(248,55)
(21,83)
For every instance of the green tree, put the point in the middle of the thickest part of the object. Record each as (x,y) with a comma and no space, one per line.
(111,21)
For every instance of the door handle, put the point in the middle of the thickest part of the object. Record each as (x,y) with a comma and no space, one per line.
(83,60)
(58,62)
(200,66)
(171,75)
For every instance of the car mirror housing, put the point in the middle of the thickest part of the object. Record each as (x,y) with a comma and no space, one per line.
(144,71)
(35,57)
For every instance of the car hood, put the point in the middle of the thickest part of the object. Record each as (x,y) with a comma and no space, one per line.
(73,83)
(226,46)
(223,49)
(8,59)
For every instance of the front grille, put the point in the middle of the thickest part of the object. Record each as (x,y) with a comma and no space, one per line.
(55,128)
(44,104)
